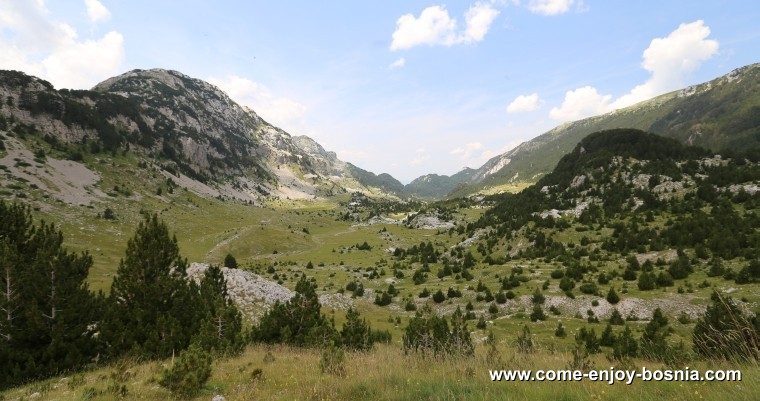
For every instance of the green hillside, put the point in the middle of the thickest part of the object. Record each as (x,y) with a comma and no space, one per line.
(720,114)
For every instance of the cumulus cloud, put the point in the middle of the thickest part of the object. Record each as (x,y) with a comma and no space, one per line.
(580,103)
(279,111)
(434,26)
(52,50)
(466,151)
(97,11)
(550,7)
(669,60)
(398,63)
(524,104)
(479,18)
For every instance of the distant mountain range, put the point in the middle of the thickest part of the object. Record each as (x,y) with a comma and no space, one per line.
(189,127)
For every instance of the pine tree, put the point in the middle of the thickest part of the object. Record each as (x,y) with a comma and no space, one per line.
(612,296)
(46,308)
(153,310)
(356,333)
(191,372)
(607,338)
(653,341)
(646,281)
(616,318)
(230,261)
(297,321)
(221,330)
(724,332)
(625,345)
(460,341)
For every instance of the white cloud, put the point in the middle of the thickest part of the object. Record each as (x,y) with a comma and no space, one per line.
(398,63)
(464,152)
(670,59)
(97,11)
(279,111)
(550,7)
(435,27)
(580,103)
(52,50)
(479,18)
(525,104)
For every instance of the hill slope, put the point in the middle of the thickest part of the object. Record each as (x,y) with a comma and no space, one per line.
(185,126)
(722,113)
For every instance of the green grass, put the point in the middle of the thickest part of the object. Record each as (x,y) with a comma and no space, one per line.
(387,374)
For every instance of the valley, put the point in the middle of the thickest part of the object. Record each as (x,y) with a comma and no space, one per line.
(628,226)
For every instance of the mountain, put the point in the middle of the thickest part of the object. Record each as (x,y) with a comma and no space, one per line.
(722,113)
(633,181)
(438,186)
(187,128)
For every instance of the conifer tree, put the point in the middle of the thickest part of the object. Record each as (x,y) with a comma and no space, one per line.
(612,296)
(297,321)
(625,345)
(230,261)
(724,332)
(356,334)
(653,341)
(153,309)
(221,329)
(46,309)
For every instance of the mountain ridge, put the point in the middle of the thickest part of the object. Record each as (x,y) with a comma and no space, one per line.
(720,113)
(186,127)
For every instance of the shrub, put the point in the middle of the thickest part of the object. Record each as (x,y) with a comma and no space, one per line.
(383,299)
(525,343)
(625,345)
(231,262)
(566,284)
(616,318)
(108,214)
(537,314)
(429,333)
(356,333)
(724,332)
(560,331)
(333,361)
(588,288)
(538,297)
(654,343)
(189,374)
(612,296)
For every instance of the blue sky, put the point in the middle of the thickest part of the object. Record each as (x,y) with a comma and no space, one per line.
(404,87)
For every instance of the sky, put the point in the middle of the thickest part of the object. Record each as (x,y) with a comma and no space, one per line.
(406,87)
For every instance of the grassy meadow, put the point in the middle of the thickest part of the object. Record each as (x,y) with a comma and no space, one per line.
(283,373)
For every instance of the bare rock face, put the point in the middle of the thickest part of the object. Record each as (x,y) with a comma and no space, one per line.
(187,126)
(254,294)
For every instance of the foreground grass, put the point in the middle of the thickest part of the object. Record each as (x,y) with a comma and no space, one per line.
(283,373)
